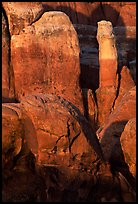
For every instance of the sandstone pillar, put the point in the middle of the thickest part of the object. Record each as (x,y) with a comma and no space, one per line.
(107,54)
(106,92)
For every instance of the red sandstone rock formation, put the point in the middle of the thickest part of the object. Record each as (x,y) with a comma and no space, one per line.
(128,143)
(106,93)
(22,14)
(62,132)
(92,12)
(48,57)
(115,123)
(12,136)
(127,14)
(44,131)
(125,83)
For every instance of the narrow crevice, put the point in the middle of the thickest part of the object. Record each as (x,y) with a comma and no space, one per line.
(74,138)
(117,91)
(68,133)
(95,107)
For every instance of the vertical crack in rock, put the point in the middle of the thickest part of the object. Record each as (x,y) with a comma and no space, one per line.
(117,89)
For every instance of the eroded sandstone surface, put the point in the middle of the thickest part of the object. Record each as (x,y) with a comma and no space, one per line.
(68,102)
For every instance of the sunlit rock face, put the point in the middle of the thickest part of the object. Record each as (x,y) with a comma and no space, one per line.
(106,93)
(69,101)
(21,14)
(48,56)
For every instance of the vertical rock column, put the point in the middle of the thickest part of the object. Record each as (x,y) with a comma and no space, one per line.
(45,59)
(106,93)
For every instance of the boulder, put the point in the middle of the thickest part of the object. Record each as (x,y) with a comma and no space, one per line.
(45,58)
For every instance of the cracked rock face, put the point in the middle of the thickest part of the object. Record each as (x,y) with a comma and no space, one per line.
(61,131)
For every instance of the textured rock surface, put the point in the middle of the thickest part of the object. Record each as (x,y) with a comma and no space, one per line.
(12,135)
(114,125)
(22,14)
(106,93)
(62,132)
(127,14)
(107,54)
(88,14)
(48,57)
(50,151)
(125,83)
(128,143)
